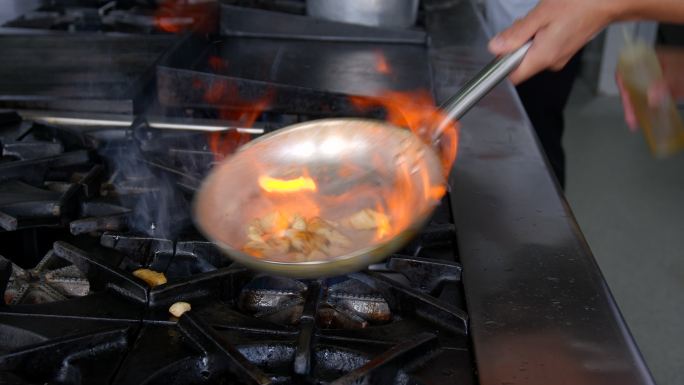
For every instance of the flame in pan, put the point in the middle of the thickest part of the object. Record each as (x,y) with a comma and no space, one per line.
(302,183)
(417,111)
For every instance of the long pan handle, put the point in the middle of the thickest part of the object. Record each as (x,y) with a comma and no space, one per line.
(479,86)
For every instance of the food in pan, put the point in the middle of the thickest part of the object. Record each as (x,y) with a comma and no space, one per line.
(366,219)
(278,237)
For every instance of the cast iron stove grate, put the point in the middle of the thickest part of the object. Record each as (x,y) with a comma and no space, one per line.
(75,314)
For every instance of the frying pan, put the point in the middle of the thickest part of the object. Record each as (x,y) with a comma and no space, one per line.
(357,164)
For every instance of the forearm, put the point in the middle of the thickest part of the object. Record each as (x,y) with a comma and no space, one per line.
(669,11)
(561,27)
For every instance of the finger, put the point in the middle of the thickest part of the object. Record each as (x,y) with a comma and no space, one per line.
(628,109)
(657,93)
(519,33)
(538,58)
(560,64)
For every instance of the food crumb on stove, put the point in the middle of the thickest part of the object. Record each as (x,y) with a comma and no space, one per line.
(151,277)
(178,308)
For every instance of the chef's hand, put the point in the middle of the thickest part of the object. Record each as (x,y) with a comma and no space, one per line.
(560,28)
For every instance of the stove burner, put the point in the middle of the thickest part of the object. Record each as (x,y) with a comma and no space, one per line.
(343,305)
(51,280)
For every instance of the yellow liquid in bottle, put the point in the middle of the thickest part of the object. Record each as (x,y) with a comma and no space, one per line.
(662,125)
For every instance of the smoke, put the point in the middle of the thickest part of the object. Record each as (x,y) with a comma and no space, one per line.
(160,207)
(163,213)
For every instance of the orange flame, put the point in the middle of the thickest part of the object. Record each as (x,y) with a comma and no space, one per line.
(177,16)
(418,112)
(223,144)
(382,222)
(218,64)
(381,64)
(269,184)
(225,95)
(383,211)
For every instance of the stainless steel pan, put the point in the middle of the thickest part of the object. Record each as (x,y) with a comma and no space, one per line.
(356,164)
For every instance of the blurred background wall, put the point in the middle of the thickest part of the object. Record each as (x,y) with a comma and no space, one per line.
(9,9)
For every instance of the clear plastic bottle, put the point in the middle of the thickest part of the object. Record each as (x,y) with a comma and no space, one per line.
(640,70)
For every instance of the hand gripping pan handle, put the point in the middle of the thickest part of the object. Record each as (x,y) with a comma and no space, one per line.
(479,86)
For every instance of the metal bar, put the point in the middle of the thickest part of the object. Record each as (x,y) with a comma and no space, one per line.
(257,23)
(51,354)
(426,275)
(125,122)
(193,287)
(479,86)
(384,368)
(307,325)
(406,300)
(8,222)
(115,222)
(100,271)
(220,353)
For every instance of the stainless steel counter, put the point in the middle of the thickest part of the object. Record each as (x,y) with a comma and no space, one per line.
(541,312)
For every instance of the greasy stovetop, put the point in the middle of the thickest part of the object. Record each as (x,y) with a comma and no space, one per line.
(83,209)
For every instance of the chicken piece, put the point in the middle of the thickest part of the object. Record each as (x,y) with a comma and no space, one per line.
(315,224)
(366,219)
(274,222)
(151,277)
(296,240)
(255,232)
(178,308)
(300,240)
(320,242)
(256,249)
(317,255)
(277,246)
(327,230)
(298,223)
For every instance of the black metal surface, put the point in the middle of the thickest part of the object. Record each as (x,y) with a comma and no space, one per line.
(47,359)
(540,309)
(215,347)
(238,72)
(23,205)
(250,22)
(426,274)
(86,73)
(383,369)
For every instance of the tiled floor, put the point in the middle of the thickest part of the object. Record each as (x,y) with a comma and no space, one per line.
(631,210)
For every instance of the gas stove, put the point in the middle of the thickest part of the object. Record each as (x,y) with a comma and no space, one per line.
(105,143)
(97,204)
